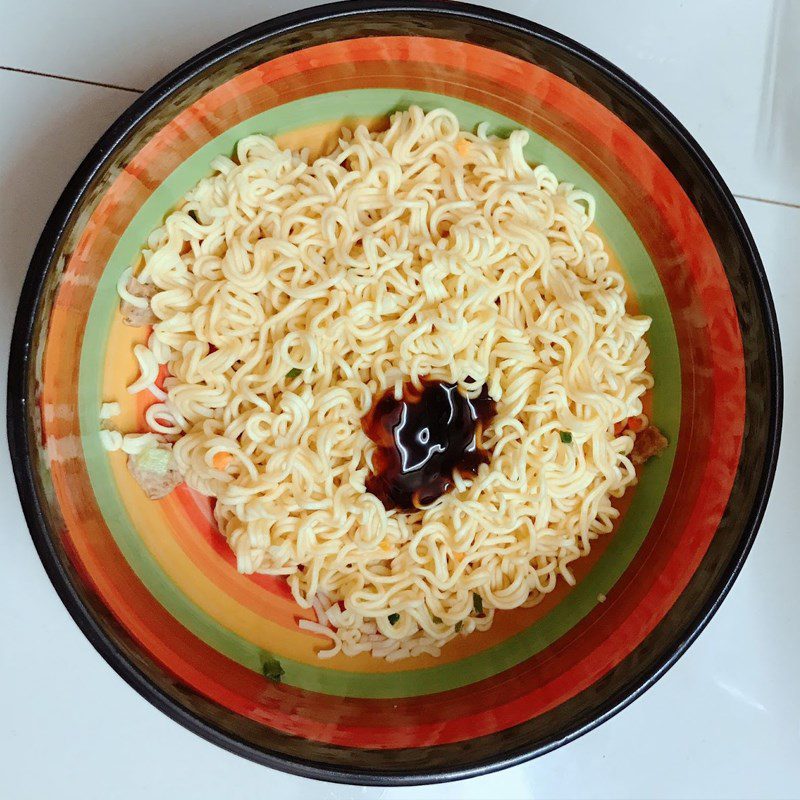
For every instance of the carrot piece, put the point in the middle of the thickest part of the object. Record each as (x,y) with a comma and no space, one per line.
(462,145)
(635,424)
(221,460)
(620,427)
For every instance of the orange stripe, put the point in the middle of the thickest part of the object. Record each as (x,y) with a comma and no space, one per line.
(191,534)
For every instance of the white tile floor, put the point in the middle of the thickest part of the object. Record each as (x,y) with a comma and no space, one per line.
(725,722)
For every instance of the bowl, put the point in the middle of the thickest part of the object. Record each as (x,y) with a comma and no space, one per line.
(154,586)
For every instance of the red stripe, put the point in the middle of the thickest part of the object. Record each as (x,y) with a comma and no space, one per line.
(707,326)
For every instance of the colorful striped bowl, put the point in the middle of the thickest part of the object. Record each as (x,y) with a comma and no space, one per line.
(154,586)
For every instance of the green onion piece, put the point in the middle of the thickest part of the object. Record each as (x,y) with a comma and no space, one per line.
(566,437)
(154,459)
(272,669)
(393,618)
(459,626)
(477,603)
(436,620)
(293,372)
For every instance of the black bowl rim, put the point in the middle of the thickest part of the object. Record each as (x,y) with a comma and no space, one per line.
(18,410)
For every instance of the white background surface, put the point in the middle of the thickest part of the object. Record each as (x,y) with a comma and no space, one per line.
(724,722)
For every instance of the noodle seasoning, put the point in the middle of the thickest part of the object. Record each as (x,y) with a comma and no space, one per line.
(423,439)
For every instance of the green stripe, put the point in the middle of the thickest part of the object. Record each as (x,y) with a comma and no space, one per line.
(641,273)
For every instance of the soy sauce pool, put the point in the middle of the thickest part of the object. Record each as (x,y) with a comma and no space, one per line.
(423,439)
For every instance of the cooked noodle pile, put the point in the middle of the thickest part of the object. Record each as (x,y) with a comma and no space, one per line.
(291,293)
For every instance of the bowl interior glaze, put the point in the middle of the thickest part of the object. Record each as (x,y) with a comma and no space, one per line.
(154,585)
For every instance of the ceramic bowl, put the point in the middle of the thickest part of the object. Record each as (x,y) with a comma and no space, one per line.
(154,586)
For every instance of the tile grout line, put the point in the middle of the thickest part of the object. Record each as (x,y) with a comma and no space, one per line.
(22,71)
(38,74)
(784,203)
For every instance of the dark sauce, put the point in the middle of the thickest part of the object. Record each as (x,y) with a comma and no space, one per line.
(423,439)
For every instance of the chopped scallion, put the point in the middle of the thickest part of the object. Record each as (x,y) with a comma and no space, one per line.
(271,669)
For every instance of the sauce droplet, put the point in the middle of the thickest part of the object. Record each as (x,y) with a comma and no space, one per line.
(424,438)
